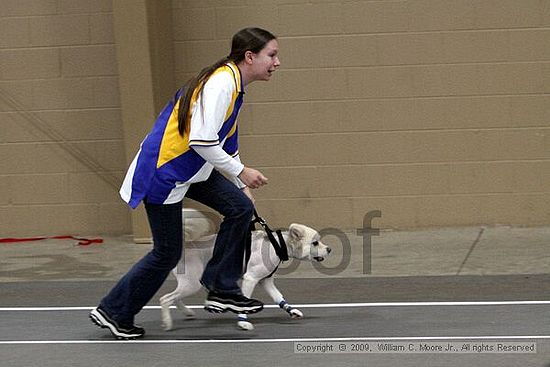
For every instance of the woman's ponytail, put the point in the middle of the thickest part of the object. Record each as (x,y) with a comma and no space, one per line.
(188,90)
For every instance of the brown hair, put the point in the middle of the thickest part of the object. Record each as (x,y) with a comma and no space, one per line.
(248,39)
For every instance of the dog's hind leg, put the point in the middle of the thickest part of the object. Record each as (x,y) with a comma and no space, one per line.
(188,282)
(183,290)
(165,302)
(186,286)
(276,295)
(247,288)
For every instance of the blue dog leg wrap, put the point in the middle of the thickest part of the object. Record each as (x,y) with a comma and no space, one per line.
(243,318)
(285,306)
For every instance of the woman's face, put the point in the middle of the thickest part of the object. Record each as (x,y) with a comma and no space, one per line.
(266,61)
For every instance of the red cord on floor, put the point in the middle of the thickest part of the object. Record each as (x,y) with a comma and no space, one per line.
(81,241)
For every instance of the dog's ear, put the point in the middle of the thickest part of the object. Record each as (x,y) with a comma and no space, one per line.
(296,232)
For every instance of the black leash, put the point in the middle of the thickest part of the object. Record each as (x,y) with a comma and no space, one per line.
(279,246)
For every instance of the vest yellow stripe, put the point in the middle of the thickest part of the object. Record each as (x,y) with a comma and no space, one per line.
(173,144)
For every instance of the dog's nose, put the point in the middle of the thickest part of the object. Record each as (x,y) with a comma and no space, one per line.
(329,250)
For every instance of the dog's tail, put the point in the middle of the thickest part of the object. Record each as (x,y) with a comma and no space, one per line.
(198,224)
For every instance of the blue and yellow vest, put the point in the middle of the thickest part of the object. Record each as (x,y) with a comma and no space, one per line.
(165,157)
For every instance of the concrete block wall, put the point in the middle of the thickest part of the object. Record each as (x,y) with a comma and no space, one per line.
(61,141)
(435,112)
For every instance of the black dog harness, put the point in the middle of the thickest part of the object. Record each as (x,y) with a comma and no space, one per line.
(279,246)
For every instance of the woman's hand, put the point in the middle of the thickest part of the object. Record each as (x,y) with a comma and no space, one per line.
(252,178)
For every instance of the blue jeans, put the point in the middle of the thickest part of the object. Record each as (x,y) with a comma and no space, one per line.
(222,272)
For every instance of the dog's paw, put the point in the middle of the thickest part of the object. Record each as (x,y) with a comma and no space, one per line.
(245,325)
(166,317)
(167,323)
(295,313)
(189,313)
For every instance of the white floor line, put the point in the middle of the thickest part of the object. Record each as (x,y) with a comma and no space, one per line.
(317,305)
(283,340)
(280,340)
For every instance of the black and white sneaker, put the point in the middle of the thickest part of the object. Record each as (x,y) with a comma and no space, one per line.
(101,319)
(218,302)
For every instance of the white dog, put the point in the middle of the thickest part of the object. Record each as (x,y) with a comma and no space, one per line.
(302,243)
